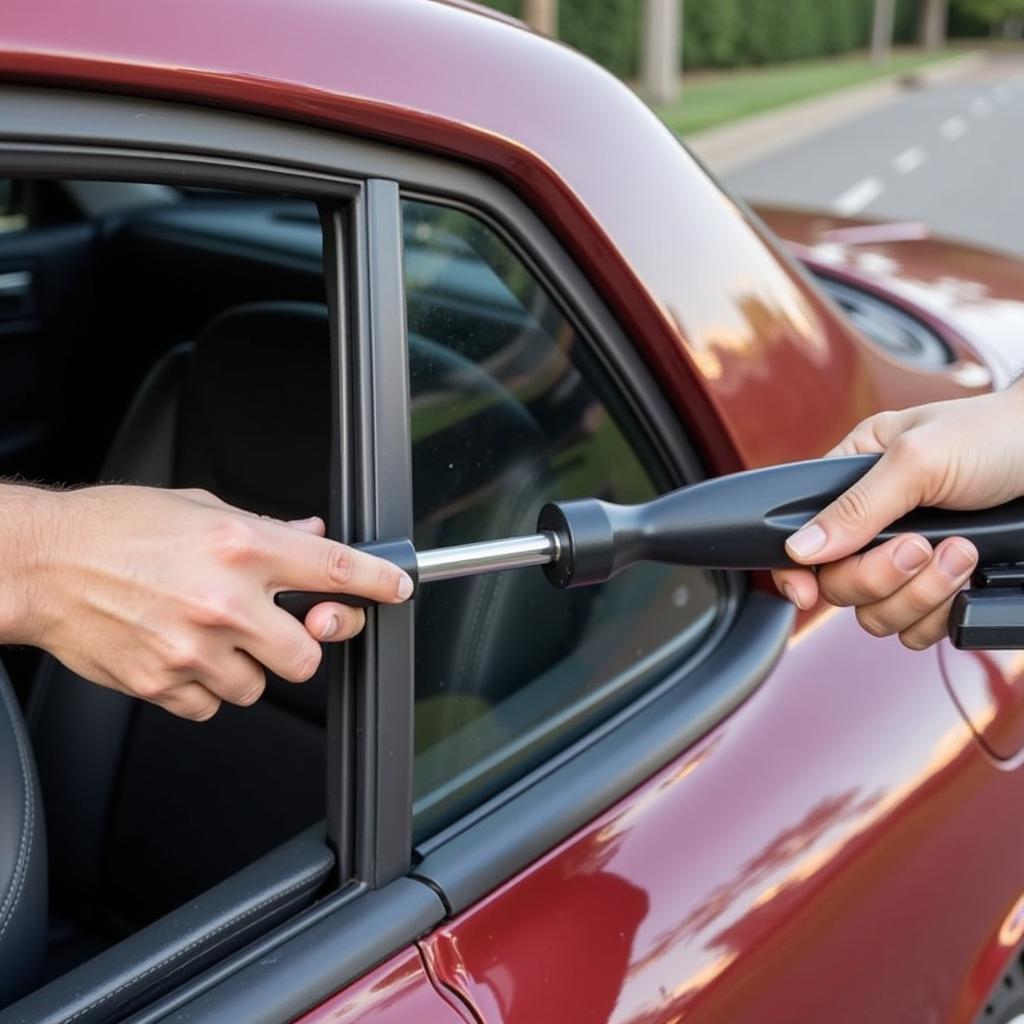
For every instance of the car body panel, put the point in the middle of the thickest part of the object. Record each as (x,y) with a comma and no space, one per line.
(838,849)
(974,293)
(396,992)
(720,315)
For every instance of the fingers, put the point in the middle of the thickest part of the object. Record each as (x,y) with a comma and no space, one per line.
(914,610)
(302,561)
(889,490)
(800,586)
(332,623)
(873,575)
(189,700)
(283,644)
(875,434)
(236,678)
(929,630)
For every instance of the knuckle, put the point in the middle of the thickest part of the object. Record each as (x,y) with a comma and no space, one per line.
(184,655)
(834,585)
(151,687)
(217,609)
(914,451)
(302,661)
(852,508)
(339,563)
(915,641)
(870,624)
(201,710)
(252,692)
(196,494)
(236,541)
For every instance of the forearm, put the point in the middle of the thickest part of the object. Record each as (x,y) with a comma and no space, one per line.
(28,535)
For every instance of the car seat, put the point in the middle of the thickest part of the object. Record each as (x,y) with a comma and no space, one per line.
(144,809)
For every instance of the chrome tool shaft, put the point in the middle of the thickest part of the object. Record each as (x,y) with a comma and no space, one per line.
(486,556)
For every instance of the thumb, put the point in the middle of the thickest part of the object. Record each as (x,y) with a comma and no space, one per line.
(884,494)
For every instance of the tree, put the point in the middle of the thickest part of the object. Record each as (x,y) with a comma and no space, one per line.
(542,15)
(1005,14)
(881,31)
(663,26)
(932,23)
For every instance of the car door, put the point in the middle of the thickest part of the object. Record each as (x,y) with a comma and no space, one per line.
(660,780)
(764,833)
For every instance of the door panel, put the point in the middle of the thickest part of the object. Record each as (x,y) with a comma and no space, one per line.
(839,849)
(45,279)
(397,992)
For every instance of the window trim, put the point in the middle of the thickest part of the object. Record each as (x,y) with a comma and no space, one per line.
(384,697)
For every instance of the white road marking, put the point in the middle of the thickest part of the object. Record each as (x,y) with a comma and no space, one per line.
(910,159)
(1003,93)
(981,107)
(953,128)
(856,197)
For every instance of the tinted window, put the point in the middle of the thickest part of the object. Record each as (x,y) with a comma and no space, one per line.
(508,412)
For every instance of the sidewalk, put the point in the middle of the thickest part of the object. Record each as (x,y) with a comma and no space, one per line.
(732,145)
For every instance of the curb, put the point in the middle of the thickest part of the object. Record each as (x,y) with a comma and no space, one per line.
(732,145)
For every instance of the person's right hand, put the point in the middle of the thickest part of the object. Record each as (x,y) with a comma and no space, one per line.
(963,454)
(168,595)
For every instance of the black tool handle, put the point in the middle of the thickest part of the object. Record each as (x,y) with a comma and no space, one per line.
(742,521)
(401,552)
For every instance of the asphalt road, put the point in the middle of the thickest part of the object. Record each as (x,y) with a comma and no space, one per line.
(951,155)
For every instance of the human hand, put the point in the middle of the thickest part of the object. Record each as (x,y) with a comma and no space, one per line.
(168,595)
(962,454)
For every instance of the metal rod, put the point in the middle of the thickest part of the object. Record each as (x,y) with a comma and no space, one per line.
(486,556)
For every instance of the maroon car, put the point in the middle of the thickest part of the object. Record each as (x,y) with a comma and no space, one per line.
(416,269)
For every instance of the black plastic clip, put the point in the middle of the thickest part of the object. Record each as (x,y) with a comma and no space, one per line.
(990,615)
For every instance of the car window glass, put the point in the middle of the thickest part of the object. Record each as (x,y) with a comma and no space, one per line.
(508,413)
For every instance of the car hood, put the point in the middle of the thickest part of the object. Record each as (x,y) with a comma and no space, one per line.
(974,293)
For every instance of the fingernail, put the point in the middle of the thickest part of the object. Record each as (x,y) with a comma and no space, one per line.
(404,587)
(808,540)
(330,629)
(911,554)
(791,595)
(302,522)
(955,560)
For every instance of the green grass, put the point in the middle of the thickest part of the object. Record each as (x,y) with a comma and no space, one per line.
(713,98)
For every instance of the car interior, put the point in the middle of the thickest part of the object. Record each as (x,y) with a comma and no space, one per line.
(180,337)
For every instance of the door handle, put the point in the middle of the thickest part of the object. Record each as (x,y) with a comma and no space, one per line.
(16,292)
(740,521)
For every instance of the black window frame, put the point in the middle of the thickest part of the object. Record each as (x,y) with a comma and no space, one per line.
(62,133)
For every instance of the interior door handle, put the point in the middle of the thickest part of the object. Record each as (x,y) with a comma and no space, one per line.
(740,521)
(16,292)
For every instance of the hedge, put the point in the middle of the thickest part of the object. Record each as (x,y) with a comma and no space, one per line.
(725,33)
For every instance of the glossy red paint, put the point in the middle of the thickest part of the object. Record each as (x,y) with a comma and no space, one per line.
(973,296)
(988,686)
(718,312)
(839,849)
(396,992)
